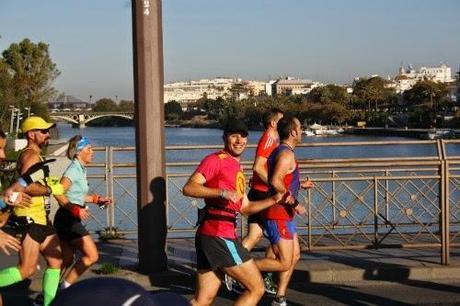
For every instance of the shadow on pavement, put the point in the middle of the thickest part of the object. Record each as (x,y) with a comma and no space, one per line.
(345,294)
(390,272)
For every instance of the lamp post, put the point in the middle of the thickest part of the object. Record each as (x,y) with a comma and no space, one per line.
(28,111)
(18,118)
(150,139)
(13,109)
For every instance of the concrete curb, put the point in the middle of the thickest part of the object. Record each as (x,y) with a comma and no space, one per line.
(342,273)
(327,276)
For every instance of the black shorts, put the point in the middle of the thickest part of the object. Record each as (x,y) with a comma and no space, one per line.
(37,232)
(217,252)
(257,195)
(67,226)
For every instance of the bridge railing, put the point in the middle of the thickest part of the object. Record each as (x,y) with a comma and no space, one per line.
(370,202)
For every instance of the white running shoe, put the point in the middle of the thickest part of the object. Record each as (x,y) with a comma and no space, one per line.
(279,301)
(269,284)
(228,281)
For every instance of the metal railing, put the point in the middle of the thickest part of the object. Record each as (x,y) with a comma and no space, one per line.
(368,202)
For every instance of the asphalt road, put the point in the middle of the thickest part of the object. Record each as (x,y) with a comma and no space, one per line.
(407,292)
(359,293)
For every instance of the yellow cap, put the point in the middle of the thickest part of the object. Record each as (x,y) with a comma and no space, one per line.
(35,123)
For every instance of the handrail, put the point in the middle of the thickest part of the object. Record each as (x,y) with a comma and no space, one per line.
(358,202)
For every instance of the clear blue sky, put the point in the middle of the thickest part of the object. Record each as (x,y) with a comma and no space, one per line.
(329,40)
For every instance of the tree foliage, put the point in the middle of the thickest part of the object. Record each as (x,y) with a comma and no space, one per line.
(425,92)
(126,106)
(105,105)
(7,96)
(329,94)
(26,76)
(173,110)
(372,93)
(31,72)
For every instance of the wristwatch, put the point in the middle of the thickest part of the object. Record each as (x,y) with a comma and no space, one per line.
(223,194)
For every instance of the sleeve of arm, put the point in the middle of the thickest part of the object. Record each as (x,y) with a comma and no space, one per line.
(71,174)
(265,146)
(209,167)
(195,186)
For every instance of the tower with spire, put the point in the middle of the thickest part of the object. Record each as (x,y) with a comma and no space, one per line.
(401,69)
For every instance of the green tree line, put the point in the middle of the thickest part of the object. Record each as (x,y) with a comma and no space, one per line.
(26,76)
(373,100)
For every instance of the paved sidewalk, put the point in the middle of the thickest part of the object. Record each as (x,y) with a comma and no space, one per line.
(355,265)
(319,268)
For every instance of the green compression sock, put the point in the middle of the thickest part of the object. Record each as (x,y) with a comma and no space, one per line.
(50,285)
(9,276)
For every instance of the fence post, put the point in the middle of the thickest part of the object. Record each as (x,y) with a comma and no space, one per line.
(309,211)
(376,212)
(446,215)
(110,182)
(334,216)
(444,202)
(387,196)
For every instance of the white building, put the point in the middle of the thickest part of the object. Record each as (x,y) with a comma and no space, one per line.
(269,87)
(255,88)
(408,78)
(191,91)
(292,86)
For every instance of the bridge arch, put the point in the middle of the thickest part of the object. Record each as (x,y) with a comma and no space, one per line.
(81,119)
(64,118)
(91,118)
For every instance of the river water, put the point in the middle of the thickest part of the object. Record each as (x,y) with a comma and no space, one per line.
(182,212)
(125,136)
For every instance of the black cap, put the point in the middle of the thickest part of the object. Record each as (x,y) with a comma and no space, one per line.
(236,126)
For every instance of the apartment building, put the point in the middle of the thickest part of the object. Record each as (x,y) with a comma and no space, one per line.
(291,86)
(191,91)
(407,78)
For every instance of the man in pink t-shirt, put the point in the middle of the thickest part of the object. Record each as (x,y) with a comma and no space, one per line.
(219,180)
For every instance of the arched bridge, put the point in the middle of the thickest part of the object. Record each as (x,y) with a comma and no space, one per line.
(82,118)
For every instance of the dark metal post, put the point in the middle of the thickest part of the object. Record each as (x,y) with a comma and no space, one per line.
(149,118)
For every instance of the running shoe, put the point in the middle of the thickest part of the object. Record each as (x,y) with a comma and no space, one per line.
(279,301)
(233,285)
(39,300)
(269,284)
(238,288)
(228,281)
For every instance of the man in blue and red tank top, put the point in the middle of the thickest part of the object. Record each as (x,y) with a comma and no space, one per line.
(219,180)
(279,223)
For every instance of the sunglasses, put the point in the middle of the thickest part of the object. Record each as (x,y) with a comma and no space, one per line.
(43,131)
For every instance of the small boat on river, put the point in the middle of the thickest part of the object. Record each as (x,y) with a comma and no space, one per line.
(321,130)
(438,134)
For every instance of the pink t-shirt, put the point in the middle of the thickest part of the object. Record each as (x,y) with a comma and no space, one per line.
(221,171)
